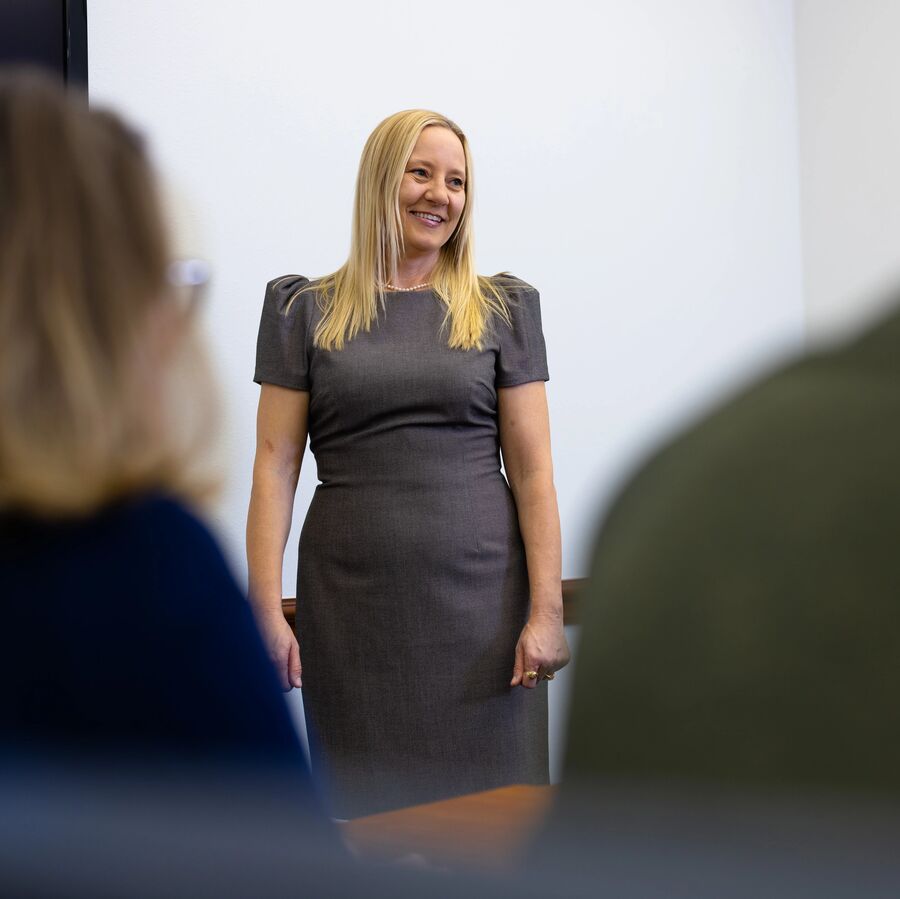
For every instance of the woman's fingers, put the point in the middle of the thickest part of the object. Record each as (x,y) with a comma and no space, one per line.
(518,667)
(540,653)
(528,672)
(532,675)
(295,669)
(281,659)
(283,650)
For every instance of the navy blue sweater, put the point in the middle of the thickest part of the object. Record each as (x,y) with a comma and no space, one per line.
(127,631)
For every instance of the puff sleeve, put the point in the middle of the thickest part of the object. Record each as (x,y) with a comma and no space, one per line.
(283,346)
(522,354)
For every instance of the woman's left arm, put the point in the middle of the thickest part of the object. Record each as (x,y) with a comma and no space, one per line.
(524,425)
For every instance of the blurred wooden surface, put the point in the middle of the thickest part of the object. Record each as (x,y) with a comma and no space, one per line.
(483,830)
(570,590)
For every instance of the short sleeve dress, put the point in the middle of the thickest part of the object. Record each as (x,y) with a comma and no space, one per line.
(412,584)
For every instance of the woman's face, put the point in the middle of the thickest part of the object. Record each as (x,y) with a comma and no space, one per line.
(433,191)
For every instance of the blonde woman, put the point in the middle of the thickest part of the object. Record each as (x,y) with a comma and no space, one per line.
(122,629)
(429,609)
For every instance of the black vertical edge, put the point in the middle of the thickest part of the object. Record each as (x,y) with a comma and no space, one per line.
(76,42)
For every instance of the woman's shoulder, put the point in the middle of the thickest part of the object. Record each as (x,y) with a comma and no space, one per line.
(162,508)
(142,509)
(513,286)
(282,293)
(165,523)
(520,334)
(118,521)
(144,544)
(182,568)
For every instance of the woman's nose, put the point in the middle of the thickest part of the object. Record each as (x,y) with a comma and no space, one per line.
(437,193)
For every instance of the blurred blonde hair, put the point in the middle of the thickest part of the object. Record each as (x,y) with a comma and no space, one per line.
(103,390)
(350,297)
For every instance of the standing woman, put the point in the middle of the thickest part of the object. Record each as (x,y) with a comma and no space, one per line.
(428,590)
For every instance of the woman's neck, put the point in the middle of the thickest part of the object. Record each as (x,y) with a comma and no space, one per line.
(414,270)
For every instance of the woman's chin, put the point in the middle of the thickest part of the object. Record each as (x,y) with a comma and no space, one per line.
(415,245)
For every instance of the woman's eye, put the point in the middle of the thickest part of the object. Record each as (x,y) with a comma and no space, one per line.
(421,172)
(458,182)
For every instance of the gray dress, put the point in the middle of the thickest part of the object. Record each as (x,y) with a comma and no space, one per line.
(412,585)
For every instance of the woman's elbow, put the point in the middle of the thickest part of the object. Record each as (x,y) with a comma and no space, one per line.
(531,481)
(276,465)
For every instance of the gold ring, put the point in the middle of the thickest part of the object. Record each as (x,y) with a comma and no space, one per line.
(531,675)
(549,676)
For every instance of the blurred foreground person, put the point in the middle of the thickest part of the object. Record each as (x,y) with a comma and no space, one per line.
(121,628)
(735,726)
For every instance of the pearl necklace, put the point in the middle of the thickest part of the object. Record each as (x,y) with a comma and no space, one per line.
(407,289)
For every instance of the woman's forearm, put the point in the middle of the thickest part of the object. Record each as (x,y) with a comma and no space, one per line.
(538,513)
(268,526)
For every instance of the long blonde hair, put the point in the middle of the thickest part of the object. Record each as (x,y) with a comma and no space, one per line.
(350,297)
(90,410)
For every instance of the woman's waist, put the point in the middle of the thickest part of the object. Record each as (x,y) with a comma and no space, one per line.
(410,525)
(410,484)
(432,464)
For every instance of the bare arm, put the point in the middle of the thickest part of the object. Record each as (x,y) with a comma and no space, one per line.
(281,431)
(525,442)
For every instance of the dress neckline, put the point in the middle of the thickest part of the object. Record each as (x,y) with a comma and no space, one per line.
(408,293)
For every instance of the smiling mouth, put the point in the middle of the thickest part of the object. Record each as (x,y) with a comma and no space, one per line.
(427,216)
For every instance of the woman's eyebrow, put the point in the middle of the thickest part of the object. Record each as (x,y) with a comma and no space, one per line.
(430,165)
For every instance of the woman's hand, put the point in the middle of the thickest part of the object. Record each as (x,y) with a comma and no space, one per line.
(542,649)
(283,649)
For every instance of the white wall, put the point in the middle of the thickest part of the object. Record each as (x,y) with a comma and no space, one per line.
(636,160)
(848,76)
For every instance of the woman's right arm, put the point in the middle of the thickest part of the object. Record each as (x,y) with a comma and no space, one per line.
(281,430)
